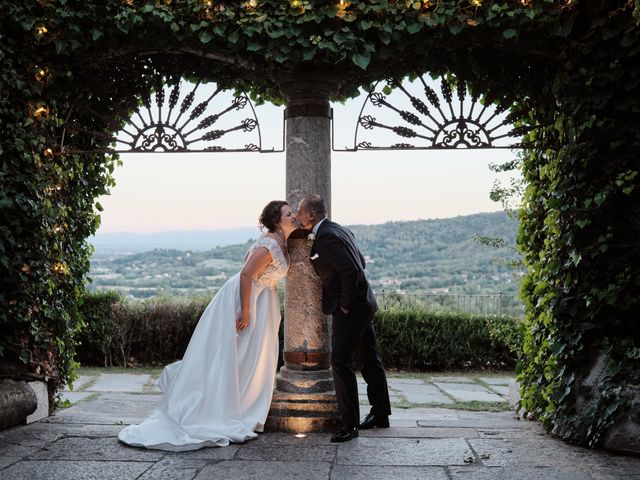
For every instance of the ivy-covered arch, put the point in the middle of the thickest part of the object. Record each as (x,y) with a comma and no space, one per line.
(570,67)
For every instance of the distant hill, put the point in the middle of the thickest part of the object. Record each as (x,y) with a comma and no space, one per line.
(179,240)
(439,254)
(421,257)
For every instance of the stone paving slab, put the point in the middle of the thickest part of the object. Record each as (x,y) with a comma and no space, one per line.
(120,382)
(497,380)
(208,454)
(451,379)
(398,382)
(424,394)
(402,451)
(504,391)
(32,435)
(282,438)
(80,430)
(487,420)
(83,448)
(87,470)
(545,473)
(248,470)
(467,387)
(615,473)
(341,472)
(542,452)
(281,453)
(511,433)
(6,461)
(16,450)
(364,400)
(420,432)
(468,392)
(80,383)
(110,407)
(75,397)
(467,396)
(175,468)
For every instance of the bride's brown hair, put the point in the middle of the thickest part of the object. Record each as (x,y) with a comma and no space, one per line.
(271,213)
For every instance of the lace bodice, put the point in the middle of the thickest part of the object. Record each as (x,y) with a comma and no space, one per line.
(279,265)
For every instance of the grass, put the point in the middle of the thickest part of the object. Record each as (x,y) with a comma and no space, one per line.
(93,371)
(472,406)
(472,374)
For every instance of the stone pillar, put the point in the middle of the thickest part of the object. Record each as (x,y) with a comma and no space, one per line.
(304,399)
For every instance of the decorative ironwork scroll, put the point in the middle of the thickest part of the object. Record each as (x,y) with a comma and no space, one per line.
(179,117)
(408,115)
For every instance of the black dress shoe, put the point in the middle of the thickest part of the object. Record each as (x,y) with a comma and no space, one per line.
(374,422)
(345,435)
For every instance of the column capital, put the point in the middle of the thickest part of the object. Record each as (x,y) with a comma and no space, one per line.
(308,93)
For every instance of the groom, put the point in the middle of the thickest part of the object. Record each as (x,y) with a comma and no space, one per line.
(347,296)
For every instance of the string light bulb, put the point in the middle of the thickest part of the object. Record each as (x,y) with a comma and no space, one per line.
(41,111)
(41,30)
(59,267)
(342,8)
(48,153)
(41,73)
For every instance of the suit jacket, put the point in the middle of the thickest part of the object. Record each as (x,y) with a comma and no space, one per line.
(340,265)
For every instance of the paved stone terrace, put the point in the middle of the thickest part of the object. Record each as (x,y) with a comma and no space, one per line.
(431,437)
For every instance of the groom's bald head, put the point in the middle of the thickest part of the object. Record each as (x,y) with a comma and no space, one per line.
(311,210)
(313,203)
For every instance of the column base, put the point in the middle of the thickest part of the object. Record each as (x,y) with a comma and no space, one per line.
(303,412)
(304,381)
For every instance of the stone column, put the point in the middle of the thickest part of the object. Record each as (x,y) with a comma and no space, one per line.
(304,399)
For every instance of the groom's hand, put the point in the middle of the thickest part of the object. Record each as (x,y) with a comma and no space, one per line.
(344,310)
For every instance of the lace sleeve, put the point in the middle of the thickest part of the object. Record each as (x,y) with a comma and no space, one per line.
(273,247)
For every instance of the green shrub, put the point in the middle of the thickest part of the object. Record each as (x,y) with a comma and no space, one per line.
(157,332)
(95,340)
(152,332)
(419,339)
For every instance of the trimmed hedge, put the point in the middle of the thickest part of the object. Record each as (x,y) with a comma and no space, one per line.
(157,332)
(419,339)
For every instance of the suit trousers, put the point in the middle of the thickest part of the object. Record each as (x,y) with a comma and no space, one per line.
(353,334)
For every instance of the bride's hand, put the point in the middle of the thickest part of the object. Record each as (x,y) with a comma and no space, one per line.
(242,321)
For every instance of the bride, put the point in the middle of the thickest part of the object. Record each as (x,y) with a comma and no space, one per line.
(220,391)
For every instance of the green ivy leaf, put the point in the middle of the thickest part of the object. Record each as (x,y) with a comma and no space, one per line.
(455,28)
(509,33)
(415,27)
(205,36)
(361,59)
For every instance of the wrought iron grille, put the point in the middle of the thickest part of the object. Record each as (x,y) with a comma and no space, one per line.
(417,115)
(179,117)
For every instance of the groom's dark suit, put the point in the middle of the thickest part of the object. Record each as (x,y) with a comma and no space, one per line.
(340,265)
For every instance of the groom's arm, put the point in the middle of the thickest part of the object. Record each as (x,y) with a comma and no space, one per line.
(333,251)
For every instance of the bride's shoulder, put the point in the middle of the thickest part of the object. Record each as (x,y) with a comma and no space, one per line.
(266,240)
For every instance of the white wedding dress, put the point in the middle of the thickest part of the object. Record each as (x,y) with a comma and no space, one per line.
(220,392)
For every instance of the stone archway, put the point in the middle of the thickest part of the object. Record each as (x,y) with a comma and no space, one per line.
(575,67)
